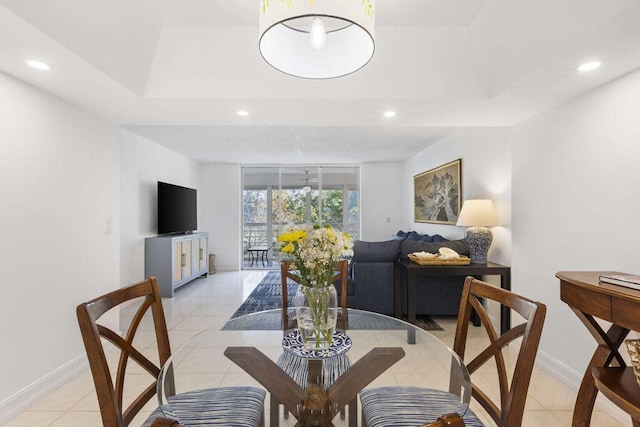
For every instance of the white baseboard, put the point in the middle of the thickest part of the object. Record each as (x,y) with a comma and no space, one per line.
(227,267)
(24,399)
(560,371)
(572,379)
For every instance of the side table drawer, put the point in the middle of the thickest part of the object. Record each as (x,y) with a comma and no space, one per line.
(625,313)
(593,303)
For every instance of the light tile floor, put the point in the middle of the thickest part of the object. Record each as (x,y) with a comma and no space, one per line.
(211,300)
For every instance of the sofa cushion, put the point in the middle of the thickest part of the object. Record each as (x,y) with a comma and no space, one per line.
(409,246)
(386,251)
(438,238)
(426,238)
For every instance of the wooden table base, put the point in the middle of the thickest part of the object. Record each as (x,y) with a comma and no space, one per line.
(315,405)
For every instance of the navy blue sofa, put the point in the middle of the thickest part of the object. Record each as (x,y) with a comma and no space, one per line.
(371,275)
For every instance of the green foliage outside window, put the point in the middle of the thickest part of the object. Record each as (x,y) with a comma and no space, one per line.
(290,206)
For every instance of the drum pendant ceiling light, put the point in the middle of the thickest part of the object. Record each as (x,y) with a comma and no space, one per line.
(317,39)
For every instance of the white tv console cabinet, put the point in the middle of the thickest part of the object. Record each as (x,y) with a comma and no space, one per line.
(176,259)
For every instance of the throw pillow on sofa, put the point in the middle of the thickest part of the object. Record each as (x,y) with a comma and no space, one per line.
(402,235)
(414,235)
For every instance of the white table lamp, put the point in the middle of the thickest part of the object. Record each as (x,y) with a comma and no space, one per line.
(478,215)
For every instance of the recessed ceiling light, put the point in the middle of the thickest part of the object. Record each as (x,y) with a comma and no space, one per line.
(38,65)
(242,113)
(589,66)
(389,113)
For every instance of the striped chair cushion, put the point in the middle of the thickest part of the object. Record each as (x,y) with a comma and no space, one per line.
(223,406)
(411,407)
(298,368)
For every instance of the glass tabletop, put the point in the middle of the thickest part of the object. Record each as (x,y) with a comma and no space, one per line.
(244,351)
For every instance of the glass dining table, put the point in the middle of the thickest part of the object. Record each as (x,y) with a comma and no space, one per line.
(381,351)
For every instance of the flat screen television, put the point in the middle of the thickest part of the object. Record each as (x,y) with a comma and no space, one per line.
(177,209)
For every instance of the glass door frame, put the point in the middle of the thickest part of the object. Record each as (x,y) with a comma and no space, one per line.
(295,182)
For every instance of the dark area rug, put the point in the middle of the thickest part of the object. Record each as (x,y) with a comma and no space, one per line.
(267,296)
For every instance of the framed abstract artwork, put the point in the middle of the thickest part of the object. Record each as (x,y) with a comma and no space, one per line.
(438,194)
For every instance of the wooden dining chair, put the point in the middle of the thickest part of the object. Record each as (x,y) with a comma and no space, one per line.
(297,367)
(209,405)
(408,406)
(288,316)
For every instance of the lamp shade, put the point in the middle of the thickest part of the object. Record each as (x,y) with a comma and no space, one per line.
(317,40)
(478,213)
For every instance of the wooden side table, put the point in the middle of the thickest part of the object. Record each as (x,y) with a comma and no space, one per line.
(589,299)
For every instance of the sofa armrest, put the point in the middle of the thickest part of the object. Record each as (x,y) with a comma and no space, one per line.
(373,286)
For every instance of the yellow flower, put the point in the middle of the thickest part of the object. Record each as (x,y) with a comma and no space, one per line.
(313,249)
(288,248)
(292,236)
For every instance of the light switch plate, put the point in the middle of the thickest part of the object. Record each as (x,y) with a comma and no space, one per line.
(107,226)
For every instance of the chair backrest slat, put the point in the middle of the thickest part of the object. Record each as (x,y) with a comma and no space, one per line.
(513,391)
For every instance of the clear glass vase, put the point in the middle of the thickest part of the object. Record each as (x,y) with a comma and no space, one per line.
(316,313)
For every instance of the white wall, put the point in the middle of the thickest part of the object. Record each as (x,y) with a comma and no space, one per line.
(59,175)
(486,174)
(221,211)
(575,203)
(144,163)
(381,200)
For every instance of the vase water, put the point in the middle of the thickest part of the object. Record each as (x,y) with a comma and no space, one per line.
(316,314)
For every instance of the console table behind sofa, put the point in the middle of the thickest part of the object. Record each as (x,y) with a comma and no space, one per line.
(371,276)
(410,271)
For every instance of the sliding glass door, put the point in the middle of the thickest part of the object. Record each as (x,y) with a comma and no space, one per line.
(278,195)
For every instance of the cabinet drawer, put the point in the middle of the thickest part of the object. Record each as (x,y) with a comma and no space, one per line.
(182,261)
(187,248)
(204,259)
(593,303)
(177,261)
(625,313)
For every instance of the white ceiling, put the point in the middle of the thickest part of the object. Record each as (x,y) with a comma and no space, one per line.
(176,72)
